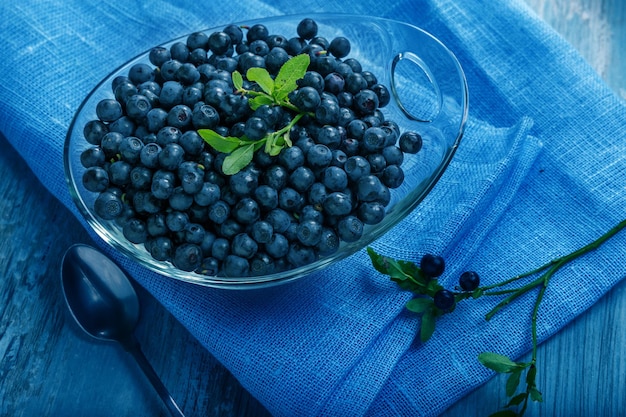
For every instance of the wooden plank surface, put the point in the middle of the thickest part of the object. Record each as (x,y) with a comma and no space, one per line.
(48,368)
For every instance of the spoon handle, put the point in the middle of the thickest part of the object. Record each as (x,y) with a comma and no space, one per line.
(135,350)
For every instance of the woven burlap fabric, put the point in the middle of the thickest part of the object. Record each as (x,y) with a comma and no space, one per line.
(540,172)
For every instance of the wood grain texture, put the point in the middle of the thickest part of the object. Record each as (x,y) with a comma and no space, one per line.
(49,368)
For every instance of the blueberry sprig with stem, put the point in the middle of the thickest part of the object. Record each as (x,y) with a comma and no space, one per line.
(274,92)
(432,300)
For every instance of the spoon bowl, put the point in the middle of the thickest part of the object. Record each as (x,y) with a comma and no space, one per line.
(104,303)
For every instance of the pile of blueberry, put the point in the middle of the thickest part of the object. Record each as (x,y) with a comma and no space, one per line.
(164,186)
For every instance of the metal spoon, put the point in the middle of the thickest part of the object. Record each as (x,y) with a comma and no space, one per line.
(105,305)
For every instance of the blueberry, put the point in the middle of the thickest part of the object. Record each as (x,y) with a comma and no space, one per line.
(124,125)
(235,33)
(350,229)
(187,257)
(244,182)
(124,91)
(371,212)
(130,148)
(167,135)
(328,243)
(155,225)
(469,280)
(393,155)
(138,106)
(161,248)
(261,264)
(92,156)
(329,136)
(312,79)
(220,248)
(301,179)
(384,97)
(179,51)
(209,266)
(307,99)
(444,299)
(334,178)
(357,167)
(255,128)
(374,139)
(119,173)
(108,110)
(149,155)
(309,232)
(135,231)
(334,83)
(141,177)
(96,179)
(197,40)
(180,117)
(337,204)
(257,31)
(299,254)
(171,156)
(219,212)
(327,113)
(94,131)
(278,246)
(432,265)
(307,28)
(355,82)
(246,211)
(155,119)
(266,197)
(410,142)
(291,157)
(236,266)
(317,193)
(261,231)
(169,69)
(108,205)
(146,202)
(377,162)
(176,221)
(279,219)
(366,102)
(339,47)
(159,55)
(208,194)
(289,199)
(393,176)
(179,199)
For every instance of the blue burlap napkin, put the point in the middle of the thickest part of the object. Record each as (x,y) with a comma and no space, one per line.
(540,172)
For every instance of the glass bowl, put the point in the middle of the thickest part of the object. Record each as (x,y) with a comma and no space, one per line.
(428,95)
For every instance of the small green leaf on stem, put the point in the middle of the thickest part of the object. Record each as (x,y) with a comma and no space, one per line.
(535,395)
(513,382)
(288,75)
(259,101)
(238,159)
(262,78)
(237,80)
(427,327)
(499,363)
(517,400)
(225,144)
(419,304)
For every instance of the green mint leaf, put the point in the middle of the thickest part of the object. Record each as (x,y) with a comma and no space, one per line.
(535,395)
(504,413)
(427,327)
(288,75)
(262,78)
(419,304)
(237,80)
(499,363)
(225,144)
(238,159)
(513,382)
(258,101)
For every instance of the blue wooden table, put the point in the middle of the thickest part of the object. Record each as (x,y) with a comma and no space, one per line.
(48,368)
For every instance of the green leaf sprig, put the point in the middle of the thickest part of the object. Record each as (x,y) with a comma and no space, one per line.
(274,92)
(410,277)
